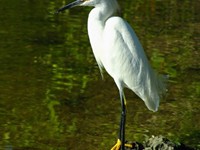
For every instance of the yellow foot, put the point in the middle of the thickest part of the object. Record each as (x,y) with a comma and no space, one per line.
(128,145)
(117,145)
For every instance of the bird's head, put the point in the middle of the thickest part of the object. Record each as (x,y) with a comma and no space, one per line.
(89,3)
(78,3)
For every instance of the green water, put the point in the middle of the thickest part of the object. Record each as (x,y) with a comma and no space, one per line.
(51,92)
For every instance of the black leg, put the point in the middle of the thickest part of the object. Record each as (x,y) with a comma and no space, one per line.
(123,121)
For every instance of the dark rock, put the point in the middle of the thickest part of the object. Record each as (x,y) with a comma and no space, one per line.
(157,143)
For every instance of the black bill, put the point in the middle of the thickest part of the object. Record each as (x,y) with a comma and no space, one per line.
(70,5)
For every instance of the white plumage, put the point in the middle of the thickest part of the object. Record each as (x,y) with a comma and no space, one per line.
(117,49)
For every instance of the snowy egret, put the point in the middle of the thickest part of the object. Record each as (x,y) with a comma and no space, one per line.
(117,49)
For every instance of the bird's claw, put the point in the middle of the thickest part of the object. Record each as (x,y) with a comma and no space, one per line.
(117,145)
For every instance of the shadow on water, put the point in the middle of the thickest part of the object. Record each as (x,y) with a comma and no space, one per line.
(53,97)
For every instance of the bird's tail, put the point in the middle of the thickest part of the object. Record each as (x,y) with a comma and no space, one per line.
(156,91)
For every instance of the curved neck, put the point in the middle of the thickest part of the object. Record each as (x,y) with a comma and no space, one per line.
(104,10)
(96,22)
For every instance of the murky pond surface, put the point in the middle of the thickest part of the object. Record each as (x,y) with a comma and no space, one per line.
(51,92)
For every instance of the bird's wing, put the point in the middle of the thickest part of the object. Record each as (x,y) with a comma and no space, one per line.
(124,59)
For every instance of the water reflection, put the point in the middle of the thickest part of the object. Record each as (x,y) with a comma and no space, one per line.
(52,95)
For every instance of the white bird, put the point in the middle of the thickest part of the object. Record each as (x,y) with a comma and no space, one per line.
(117,49)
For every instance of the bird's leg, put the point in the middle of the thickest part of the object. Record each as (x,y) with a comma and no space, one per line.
(123,120)
(121,141)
